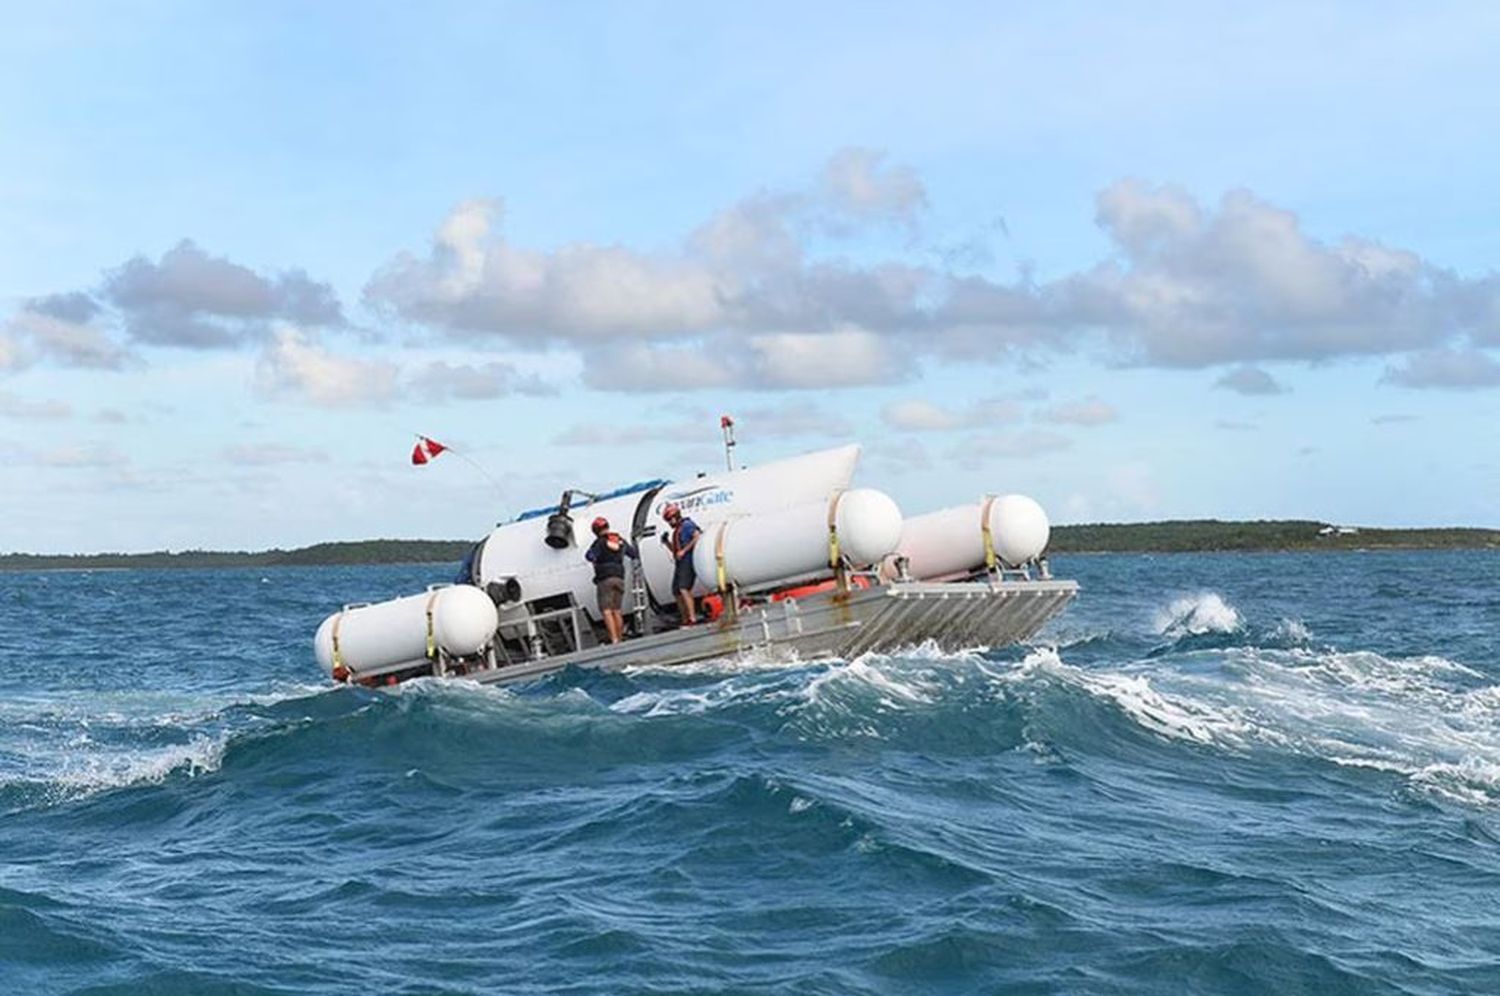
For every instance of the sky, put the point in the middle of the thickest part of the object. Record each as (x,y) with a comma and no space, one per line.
(1138,261)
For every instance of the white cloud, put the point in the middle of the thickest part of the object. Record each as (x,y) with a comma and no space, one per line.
(1022,445)
(1250,380)
(473,281)
(1133,487)
(1462,369)
(267,454)
(744,270)
(1185,285)
(641,367)
(10,351)
(12,406)
(469,382)
(755,297)
(594,434)
(857,187)
(293,366)
(1088,412)
(190,298)
(187,298)
(900,454)
(35,332)
(847,357)
(792,421)
(1192,287)
(917,415)
(80,456)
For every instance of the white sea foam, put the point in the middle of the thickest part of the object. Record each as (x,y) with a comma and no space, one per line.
(1177,716)
(96,740)
(680,701)
(856,698)
(1425,718)
(84,772)
(88,774)
(1204,612)
(145,708)
(758,659)
(1167,714)
(1292,631)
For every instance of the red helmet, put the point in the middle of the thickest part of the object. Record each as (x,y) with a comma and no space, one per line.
(601,524)
(671,511)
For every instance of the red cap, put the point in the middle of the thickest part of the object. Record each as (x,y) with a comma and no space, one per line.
(725,421)
(601,524)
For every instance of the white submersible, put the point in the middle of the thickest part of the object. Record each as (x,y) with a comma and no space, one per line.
(790,555)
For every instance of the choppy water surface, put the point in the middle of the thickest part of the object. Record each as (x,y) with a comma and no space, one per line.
(1218,773)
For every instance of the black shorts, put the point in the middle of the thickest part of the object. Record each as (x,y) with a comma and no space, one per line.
(684,577)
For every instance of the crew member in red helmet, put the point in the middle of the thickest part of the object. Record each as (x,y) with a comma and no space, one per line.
(608,554)
(682,536)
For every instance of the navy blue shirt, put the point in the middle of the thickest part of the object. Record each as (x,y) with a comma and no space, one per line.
(608,554)
(683,534)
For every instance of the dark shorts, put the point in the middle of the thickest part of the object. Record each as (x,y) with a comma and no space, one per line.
(683,575)
(611,593)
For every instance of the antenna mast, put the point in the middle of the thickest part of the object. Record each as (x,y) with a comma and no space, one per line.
(727,424)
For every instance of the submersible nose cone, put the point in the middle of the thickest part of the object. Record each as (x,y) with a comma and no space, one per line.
(559,530)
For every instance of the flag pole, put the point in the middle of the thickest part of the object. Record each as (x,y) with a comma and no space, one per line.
(472,463)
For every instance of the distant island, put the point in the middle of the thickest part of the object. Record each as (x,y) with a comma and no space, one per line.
(1181,536)
(1204,535)
(382,551)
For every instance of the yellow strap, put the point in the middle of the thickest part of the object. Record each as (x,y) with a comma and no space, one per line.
(431,641)
(719,556)
(833,529)
(990,559)
(338,656)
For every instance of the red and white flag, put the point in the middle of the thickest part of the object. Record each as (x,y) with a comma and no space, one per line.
(426,449)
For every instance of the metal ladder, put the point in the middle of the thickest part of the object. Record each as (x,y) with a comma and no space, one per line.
(640,600)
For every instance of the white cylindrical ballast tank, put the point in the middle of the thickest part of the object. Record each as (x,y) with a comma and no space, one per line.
(757,551)
(371,639)
(951,542)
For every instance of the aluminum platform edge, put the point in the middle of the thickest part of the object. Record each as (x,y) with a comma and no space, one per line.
(952,615)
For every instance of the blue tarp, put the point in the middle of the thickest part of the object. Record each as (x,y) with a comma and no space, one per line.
(628,489)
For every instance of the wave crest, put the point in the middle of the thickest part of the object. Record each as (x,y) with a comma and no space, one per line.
(1195,615)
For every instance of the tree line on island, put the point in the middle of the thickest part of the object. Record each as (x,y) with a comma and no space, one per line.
(1181,536)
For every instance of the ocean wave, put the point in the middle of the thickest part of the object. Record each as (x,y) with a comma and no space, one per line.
(1293,632)
(77,776)
(65,749)
(1434,721)
(1204,612)
(1426,718)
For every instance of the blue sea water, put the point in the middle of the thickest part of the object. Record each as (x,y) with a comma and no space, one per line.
(1213,774)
